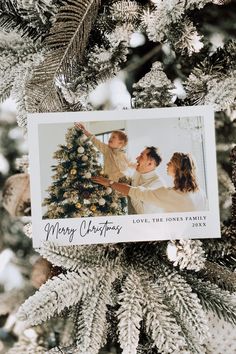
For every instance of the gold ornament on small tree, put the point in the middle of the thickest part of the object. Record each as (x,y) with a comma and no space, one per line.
(93,208)
(73,171)
(78,205)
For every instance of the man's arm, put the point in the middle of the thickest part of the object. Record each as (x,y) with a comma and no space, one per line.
(153,196)
(119,187)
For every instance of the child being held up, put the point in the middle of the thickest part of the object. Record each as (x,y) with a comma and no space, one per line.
(115,160)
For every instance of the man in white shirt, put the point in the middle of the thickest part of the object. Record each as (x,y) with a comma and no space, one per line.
(145,176)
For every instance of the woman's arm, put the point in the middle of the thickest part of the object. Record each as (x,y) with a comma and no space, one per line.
(152,196)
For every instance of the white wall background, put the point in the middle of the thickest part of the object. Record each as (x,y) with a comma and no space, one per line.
(168,134)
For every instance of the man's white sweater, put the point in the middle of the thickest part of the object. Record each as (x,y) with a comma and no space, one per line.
(150,181)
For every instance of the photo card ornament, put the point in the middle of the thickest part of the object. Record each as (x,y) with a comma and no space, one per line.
(88,185)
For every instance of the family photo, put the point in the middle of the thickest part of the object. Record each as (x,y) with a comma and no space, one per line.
(123,167)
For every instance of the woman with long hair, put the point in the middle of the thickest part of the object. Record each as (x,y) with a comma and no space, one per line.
(185,195)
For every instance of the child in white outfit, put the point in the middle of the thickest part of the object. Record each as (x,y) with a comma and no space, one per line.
(116,162)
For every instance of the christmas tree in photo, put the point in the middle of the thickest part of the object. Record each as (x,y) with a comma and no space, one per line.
(73,194)
(131,298)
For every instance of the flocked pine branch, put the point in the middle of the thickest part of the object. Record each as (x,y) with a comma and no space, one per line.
(100,64)
(221,276)
(165,14)
(218,90)
(57,293)
(11,20)
(91,326)
(39,13)
(186,305)
(185,39)
(160,323)
(130,313)
(125,11)
(75,257)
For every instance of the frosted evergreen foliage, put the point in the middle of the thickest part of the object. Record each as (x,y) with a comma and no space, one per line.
(187,254)
(91,325)
(211,296)
(130,313)
(101,64)
(217,90)
(166,13)
(185,38)
(127,294)
(58,293)
(18,58)
(163,328)
(103,277)
(38,12)
(88,255)
(186,305)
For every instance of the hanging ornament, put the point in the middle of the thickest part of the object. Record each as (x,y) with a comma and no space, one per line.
(80,150)
(83,139)
(93,208)
(78,205)
(16,195)
(108,190)
(87,202)
(88,175)
(101,201)
(73,171)
(84,158)
(114,205)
